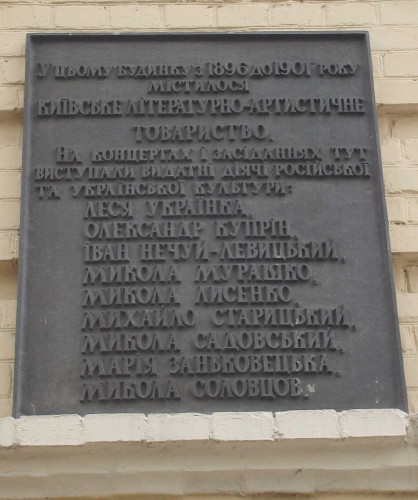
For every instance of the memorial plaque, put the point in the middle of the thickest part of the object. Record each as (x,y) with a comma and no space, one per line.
(203,226)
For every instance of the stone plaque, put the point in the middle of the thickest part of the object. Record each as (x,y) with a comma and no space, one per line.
(203,227)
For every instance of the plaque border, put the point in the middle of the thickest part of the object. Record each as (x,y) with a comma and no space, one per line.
(32,37)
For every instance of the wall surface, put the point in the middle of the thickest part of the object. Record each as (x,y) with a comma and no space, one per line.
(298,454)
(393,28)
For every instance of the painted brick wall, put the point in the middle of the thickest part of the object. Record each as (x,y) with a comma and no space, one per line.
(393,27)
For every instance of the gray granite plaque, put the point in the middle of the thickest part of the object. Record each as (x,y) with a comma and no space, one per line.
(203,227)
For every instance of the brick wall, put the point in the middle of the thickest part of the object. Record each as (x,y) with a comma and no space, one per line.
(393,27)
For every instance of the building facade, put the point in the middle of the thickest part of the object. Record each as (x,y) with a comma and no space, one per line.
(358,454)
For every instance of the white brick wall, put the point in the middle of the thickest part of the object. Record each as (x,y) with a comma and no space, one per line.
(222,456)
(393,27)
